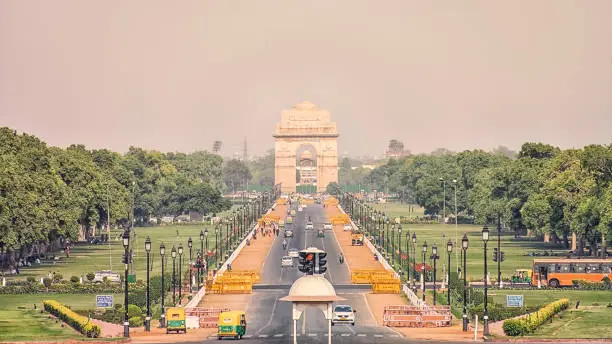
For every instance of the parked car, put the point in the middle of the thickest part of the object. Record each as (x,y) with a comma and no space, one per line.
(343,314)
(327,226)
(348,227)
(287,261)
(293,252)
(309,225)
(288,233)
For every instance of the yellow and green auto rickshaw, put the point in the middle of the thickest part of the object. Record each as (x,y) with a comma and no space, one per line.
(232,324)
(175,320)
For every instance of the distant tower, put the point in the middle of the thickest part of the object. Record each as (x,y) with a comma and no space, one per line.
(244,150)
(217,146)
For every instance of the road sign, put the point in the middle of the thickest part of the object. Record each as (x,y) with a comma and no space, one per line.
(514,300)
(104,301)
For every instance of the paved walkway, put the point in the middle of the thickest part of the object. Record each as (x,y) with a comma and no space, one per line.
(109,330)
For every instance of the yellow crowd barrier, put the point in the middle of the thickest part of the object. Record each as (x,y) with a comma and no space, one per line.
(231,287)
(387,286)
(367,276)
(240,276)
(281,201)
(331,201)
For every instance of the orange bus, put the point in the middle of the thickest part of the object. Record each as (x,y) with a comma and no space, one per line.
(561,272)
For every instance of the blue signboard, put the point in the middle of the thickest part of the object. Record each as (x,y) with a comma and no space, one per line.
(104,301)
(514,300)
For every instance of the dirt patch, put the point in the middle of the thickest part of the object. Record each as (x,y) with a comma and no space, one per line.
(253,256)
(356,257)
(377,303)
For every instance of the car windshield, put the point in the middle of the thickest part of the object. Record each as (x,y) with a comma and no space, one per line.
(293,250)
(343,309)
(287,258)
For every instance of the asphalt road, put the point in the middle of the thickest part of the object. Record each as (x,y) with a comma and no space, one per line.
(269,320)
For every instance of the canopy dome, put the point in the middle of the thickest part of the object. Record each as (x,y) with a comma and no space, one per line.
(312,288)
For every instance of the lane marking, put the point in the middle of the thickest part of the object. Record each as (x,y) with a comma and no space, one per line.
(263,336)
(345,334)
(271,316)
(361,335)
(378,335)
(312,335)
(350,327)
(279,335)
(365,299)
(247,336)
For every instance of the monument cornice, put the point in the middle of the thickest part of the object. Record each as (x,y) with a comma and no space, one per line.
(305,135)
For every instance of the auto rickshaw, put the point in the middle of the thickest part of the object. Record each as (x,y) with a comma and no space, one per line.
(231,324)
(289,220)
(320,233)
(522,276)
(175,320)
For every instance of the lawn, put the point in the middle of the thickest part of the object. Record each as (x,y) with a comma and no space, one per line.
(541,297)
(394,209)
(592,322)
(515,250)
(20,322)
(85,258)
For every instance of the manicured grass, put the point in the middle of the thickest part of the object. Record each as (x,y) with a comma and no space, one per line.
(585,323)
(90,258)
(20,322)
(394,209)
(515,250)
(545,296)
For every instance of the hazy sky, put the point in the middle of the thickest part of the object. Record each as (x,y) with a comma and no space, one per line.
(177,75)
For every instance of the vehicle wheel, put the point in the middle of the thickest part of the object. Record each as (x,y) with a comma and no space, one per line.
(353,324)
(167,331)
(553,283)
(218,337)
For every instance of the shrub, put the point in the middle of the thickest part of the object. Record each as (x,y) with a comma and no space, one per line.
(531,322)
(31,279)
(136,321)
(78,322)
(47,282)
(603,285)
(499,312)
(74,279)
(90,276)
(57,277)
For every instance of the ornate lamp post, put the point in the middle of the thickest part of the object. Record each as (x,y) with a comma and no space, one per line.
(126,260)
(180,284)
(449,250)
(162,253)
(173,254)
(392,244)
(464,247)
(148,317)
(205,253)
(407,263)
(414,239)
(423,269)
(399,244)
(434,256)
(190,245)
(387,238)
(485,239)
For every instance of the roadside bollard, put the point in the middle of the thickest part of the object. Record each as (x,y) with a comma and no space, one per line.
(475,327)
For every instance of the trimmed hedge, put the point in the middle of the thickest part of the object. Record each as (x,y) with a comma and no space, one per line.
(78,322)
(528,324)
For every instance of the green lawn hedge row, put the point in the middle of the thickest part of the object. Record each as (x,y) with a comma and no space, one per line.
(78,322)
(528,324)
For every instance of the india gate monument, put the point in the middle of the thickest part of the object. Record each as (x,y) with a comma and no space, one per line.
(306,148)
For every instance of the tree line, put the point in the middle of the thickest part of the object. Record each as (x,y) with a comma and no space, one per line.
(48,193)
(543,189)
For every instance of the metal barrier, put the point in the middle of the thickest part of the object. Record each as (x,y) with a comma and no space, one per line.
(415,316)
(370,276)
(209,317)
(240,276)
(386,286)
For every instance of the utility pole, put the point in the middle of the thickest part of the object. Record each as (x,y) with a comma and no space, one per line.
(499,251)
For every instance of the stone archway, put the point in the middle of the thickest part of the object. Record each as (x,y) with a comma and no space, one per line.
(305,127)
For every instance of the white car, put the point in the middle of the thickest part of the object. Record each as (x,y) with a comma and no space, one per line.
(343,314)
(299,208)
(287,261)
(327,226)
(293,252)
(348,227)
(288,233)
(309,225)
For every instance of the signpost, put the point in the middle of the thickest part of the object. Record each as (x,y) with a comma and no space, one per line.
(104,301)
(514,300)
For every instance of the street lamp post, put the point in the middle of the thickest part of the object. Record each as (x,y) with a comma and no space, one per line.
(392,243)
(456,227)
(180,284)
(162,253)
(387,237)
(399,238)
(173,254)
(126,245)
(407,263)
(423,269)
(443,199)
(148,317)
(205,253)
(217,244)
(434,256)
(414,238)
(464,247)
(485,239)
(190,245)
(449,250)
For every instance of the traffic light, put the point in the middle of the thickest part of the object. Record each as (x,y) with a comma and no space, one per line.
(306,261)
(495,254)
(320,267)
(502,258)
